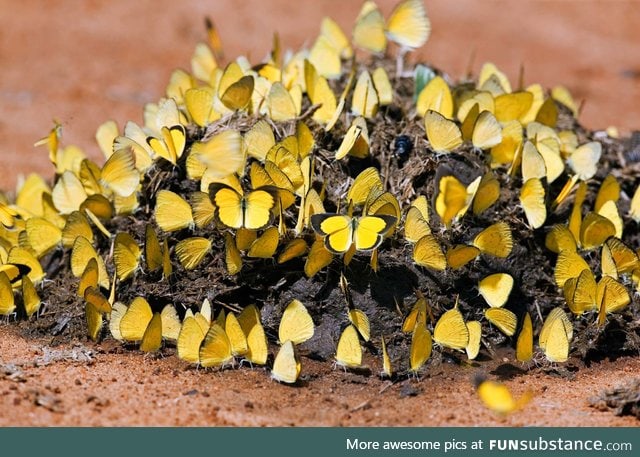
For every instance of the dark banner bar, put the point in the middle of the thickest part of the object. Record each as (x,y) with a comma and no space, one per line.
(309,442)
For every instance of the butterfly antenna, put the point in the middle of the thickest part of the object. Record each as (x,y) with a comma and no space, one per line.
(521,77)
(580,108)
(470,63)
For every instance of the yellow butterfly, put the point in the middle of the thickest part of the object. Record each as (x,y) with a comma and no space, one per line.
(180,82)
(360,321)
(257,348)
(89,277)
(416,224)
(421,346)
(336,37)
(369,30)
(233,259)
(199,103)
(135,320)
(318,258)
(118,310)
(487,131)
(524,343)
(562,95)
(7,215)
(489,71)
(509,148)
(382,86)
(294,248)
(325,58)
(152,338)
(584,160)
(296,324)
(215,350)
(29,196)
(170,323)
(532,199)
(555,336)
(191,251)
(634,207)
(52,141)
(610,210)
(436,97)
(569,264)
(202,208)
(623,258)
(81,254)
(428,253)
(611,296)
(365,97)
(259,140)
(575,218)
(319,93)
(453,197)
(475,334)
(408,24)
(417,315)
(443,134)
(68,193)
(495,289)
(7,299)
(451,331)
(234,210)
(502,318)
(203,62)
(172,212)
(94,321)
(594,230)
(512,106)
(349,351)
(341,232)
(284,105)
(190,338)
(218,156)
(119,174)
(332,119)
(153,252)
(487,194)
(100,303)
(236,335)
(126,255)
(362,186)
(580,292)
(560,238)
(355,141)
(533,163)
(499,399)
(495,240)
(171,143)
(75,226)
(460,255)
(43,236)
(287,163)
(286,365)
(609,191)
(30,299)
(387,369)
(265,246)
(234,88)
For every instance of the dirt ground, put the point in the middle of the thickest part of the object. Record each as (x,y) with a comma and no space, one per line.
(84,62)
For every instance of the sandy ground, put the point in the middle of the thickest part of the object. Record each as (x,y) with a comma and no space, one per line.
(83,62)
(103,385)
